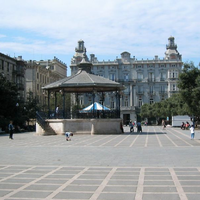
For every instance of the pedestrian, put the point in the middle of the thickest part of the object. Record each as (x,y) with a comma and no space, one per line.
(57,111)
(139,127)
(192,132)
(131,126)
(68,134)
(121,127)
(163,124)
(11,128)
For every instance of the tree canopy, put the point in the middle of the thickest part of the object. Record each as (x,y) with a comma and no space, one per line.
(8,100)
(189,87)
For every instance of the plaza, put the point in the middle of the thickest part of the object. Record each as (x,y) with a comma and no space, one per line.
(156,164)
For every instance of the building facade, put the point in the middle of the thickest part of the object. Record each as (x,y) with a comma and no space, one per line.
(146,81)
(41,73)
(13,69)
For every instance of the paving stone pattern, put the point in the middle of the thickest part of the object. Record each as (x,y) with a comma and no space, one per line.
(99,168)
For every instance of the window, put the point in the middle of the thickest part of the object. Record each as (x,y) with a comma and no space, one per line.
(126,90)
(140,102)
(112,77)
(162,76)
(162,88)
(140,89)
(2,66)
(174,87)
(151,76)
(140,76)
(8,67)
(151,89)
(151,101)
(173,74)
(125,77)
(126,101)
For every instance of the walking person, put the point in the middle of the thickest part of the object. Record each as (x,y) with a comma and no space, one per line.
(131,126)
(139,127)
(192,132)
(163,124)
(11,128)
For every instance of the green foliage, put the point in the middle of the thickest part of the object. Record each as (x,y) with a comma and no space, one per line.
(14,108)
(189,86)
(8,101)
(167,108)
(31,106)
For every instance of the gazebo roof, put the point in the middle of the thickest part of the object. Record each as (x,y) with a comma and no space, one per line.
(84,81)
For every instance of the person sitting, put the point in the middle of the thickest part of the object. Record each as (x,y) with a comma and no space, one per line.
(187,125)
(183,126)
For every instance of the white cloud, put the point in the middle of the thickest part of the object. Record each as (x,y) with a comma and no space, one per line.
(108,27)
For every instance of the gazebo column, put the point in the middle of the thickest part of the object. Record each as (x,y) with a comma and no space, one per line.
(102,97)
(93,100)
(118,104)
(63,98)
(55,105)
(48,103)
(77,103)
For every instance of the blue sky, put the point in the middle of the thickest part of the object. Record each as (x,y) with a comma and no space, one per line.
(42,29)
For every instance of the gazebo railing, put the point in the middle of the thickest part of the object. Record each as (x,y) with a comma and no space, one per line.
(97,114)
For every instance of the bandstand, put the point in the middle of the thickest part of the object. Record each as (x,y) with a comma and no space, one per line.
(95,122)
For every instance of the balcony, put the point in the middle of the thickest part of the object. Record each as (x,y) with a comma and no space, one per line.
(151,80)
(173,79)
(162,79)
(125,80)
(151,93)
(139,92)
(162,93)
(127,108)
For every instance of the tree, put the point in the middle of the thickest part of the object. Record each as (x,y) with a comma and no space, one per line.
(8,101)
(189,86)
(166,108)
(31,106)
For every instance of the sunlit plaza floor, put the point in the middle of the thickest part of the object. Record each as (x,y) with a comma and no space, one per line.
(156,164)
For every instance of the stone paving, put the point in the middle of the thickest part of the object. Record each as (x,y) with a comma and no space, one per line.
(156,164)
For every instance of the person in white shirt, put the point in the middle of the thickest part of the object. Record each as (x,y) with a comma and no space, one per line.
(192,132)
(57,111)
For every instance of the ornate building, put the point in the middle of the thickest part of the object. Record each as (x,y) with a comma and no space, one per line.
(146,81)
(14,71)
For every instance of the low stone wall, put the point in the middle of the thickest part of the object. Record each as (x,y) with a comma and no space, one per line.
(82,126)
